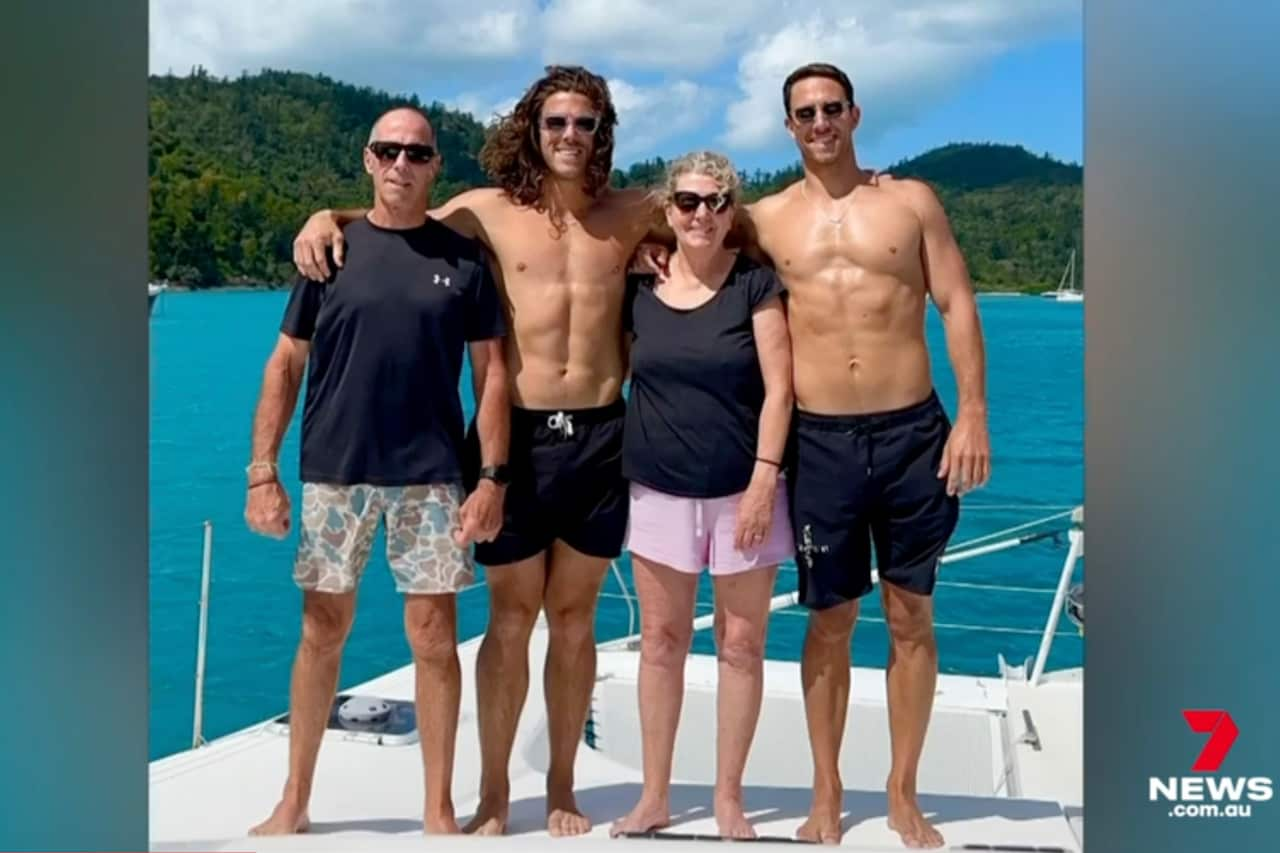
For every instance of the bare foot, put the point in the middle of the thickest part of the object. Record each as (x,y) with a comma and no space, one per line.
(649,813)
(823,825)
(287,819)
(820,829)
(490,817)
(906,819)
(563,817)
(442,823)
(730,819)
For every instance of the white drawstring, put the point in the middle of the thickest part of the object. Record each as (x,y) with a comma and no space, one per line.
(562,423)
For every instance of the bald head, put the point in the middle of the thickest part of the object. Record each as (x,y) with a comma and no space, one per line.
(402,161)
(408,125)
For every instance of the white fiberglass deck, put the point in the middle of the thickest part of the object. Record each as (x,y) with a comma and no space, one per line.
(369,797)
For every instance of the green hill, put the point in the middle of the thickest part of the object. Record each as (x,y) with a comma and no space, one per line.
(236,166)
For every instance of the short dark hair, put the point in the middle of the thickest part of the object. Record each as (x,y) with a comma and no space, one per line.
(815,69)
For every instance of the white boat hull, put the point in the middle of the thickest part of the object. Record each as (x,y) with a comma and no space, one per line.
(977,782)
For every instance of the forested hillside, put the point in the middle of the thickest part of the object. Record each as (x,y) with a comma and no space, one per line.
(236,165)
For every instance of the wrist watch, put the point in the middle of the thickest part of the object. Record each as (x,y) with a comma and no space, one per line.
(500,474)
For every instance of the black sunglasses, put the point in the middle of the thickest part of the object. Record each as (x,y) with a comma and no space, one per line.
(831,109)
(558,124)
(687,202)
(389,152)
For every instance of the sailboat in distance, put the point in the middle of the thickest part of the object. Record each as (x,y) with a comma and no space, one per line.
(1067,290)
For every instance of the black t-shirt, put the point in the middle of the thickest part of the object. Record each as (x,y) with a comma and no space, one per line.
(693,412)
(387,337)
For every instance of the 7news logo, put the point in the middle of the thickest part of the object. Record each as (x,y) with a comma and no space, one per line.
(1211,796)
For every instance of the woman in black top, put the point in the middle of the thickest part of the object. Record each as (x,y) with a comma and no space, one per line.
(707,420)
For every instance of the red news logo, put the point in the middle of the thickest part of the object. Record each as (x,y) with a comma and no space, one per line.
(1222,733)
(1211,796)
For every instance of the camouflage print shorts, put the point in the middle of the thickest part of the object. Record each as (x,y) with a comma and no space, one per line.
(339,523)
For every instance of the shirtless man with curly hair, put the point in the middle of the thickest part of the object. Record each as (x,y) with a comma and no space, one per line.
(560,240)
(875,462)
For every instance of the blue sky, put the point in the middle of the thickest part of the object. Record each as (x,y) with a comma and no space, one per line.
(1032,97)
(684,73)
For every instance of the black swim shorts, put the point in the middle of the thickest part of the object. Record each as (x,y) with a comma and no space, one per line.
(856,480)
(566,483)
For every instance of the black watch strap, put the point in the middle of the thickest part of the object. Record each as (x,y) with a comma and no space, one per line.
(498,473)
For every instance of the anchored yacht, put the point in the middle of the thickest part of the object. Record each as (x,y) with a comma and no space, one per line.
(1001,770)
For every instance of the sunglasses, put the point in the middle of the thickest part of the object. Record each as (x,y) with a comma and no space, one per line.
(559,124)
(389,152)
(831,109)
(687,202)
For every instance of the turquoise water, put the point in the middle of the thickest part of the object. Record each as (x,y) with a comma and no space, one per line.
(207,355)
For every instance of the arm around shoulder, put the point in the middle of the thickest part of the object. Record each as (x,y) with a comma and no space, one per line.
(322,232)
(467,212)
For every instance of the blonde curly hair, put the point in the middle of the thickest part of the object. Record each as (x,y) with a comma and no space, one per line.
(715,166)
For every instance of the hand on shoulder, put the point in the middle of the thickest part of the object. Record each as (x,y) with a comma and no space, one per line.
(311,246)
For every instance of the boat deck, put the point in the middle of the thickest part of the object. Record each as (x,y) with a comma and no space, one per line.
(369,797)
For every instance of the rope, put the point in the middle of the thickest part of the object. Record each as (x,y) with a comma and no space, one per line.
(991,587)
(997,587)
(970,543)
(951,626)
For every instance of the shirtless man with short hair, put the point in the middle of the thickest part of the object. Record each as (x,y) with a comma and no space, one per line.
(875,458)
(561,240)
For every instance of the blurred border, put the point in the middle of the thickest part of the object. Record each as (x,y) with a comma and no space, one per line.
(73,427)
(1181,477)
(1182,411)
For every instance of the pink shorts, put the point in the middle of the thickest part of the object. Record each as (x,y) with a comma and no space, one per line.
(690,533)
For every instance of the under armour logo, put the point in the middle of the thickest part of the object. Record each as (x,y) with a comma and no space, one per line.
(807,548)
(438,279)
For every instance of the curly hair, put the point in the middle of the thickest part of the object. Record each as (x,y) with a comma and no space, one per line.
(708,163)
(512,157)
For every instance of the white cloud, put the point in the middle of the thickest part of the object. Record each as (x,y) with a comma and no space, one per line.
(901,56)
(677,66)
(384,43)
(650,115)
(482,107)
(684,35)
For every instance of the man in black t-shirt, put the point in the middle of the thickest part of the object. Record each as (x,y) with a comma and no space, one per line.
(382,437)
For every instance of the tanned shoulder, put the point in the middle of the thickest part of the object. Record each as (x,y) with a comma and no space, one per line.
(762,215)
(633,209)
(916,194)
(467,211)
(770,205)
